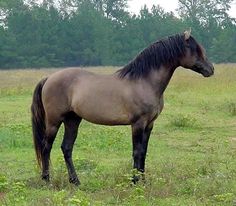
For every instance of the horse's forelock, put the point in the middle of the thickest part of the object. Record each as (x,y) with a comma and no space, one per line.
(196,47)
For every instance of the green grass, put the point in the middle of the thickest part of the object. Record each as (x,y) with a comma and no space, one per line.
(191,157)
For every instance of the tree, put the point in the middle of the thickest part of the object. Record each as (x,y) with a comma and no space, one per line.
(223,48)
(102,32)
(204,12)
(112,9)
(90,31)
(205,17)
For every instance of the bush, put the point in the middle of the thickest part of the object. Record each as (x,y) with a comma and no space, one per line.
(183,121)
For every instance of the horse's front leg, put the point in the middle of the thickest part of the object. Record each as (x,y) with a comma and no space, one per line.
(140,137)
(147,133)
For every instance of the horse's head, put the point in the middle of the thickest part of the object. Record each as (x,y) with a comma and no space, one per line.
(195,57)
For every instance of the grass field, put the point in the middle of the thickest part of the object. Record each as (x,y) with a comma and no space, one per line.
(191,158)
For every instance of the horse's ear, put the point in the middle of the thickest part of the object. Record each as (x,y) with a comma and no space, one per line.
(187,34)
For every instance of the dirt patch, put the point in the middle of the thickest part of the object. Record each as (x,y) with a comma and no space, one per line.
(232,139)
(2,195)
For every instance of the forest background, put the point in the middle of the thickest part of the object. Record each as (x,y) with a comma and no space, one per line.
(63,33)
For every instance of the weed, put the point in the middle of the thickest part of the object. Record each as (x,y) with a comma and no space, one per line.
(59,198)
(226,197)
(3,183)
(85,165)
(228,107)
(231,107)
(183,121)
(79,198)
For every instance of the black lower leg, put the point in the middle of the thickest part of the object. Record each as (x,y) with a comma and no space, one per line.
(51,134)
(45,161)
(71,129)
(67,151)
(137,136)
(145,140)
(140,142)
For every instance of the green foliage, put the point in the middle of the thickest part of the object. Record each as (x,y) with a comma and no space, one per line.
(183,121)
(226,198)
(79,198)
(102,32)
(207,18)
(230,108)
(223,49)
(3,183)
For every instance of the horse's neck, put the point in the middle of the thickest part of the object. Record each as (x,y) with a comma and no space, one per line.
(159,79)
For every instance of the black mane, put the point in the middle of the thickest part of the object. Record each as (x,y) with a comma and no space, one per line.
(164,52)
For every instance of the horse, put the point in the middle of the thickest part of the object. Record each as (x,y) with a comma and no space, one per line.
(132,96)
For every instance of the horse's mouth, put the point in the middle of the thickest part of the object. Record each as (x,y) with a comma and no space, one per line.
(205,71)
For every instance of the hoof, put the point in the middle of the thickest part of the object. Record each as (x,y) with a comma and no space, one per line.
(45,178)
(138,177)
(74,181)
(135,179)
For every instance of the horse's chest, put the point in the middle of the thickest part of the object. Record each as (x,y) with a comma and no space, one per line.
(160,105)
(156,109)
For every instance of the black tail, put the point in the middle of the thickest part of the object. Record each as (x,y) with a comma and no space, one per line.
(38,120)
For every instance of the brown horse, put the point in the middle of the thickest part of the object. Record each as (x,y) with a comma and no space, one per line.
(131,96)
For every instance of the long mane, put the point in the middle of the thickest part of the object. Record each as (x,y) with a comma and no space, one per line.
(165,52)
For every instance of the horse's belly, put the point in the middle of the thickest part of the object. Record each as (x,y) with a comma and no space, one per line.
(103,113)
(106,121)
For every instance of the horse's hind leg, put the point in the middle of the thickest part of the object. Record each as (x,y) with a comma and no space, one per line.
(71,123)
(51,132)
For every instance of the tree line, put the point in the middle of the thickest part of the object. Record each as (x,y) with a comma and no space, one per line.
(103,32)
